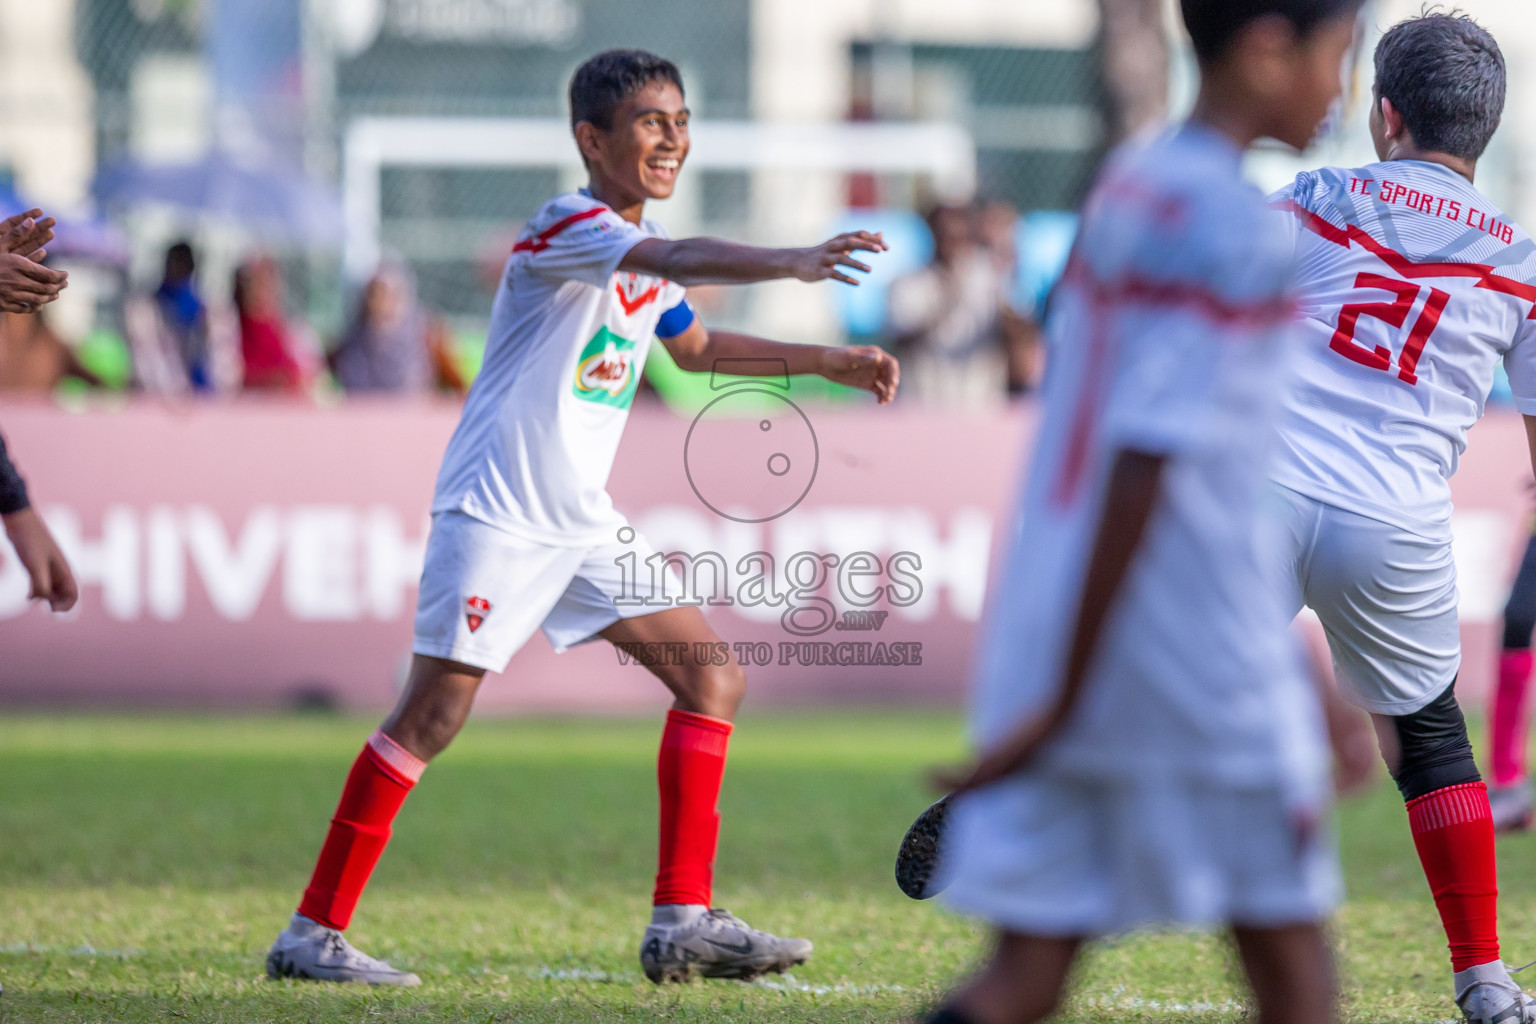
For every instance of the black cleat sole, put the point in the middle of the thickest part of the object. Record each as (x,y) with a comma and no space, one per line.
(917,862)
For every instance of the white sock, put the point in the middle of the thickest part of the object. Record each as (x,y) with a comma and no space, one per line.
(677,913)
(1494,972)
(304,926)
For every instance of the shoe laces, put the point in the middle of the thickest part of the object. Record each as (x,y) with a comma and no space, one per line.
(724,918)
(336,945)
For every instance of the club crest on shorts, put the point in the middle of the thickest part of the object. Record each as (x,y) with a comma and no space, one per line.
(476,609)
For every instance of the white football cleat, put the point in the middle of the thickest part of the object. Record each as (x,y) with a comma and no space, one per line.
(1512,806)
(716,944)
(1488,995)
(308,949)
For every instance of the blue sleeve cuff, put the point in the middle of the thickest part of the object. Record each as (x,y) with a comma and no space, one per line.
(675,320)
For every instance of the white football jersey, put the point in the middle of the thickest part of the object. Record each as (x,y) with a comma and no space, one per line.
(567,343)
(1169,335)
(1412,287)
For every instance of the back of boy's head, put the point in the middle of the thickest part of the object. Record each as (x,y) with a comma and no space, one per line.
(611,77)
(1215,24)
(1445,76)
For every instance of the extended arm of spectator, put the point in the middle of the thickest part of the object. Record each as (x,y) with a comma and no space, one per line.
(52,580)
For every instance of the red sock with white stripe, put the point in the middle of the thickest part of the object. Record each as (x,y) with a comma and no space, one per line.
(377,786)
(689,771)
(1453,831)
(1511,717)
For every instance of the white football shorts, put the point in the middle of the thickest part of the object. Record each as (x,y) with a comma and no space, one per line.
(1051,855)
(483,591)
(1386,597)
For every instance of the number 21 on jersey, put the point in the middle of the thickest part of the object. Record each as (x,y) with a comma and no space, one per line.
(1394,314)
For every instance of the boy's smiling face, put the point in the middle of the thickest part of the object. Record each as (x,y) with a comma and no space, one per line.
(639,157)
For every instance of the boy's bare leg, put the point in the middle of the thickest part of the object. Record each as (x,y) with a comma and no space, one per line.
(686,936)
(434,707)
(1021,984)
(1290,970)
(701,687)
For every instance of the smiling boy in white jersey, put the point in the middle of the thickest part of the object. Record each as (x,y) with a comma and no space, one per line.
(524,535)
(1413,287)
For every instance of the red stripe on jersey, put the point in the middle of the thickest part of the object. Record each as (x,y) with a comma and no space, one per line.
(540,242)
(1089,399)
(1402,264)
(1315,224)
(1181,295)
(1103,297)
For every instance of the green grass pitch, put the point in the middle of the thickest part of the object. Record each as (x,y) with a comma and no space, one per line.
(146,863)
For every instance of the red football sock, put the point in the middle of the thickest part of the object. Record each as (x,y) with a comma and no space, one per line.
(1511,717)
(688,773)
(381,777)
(1453,831)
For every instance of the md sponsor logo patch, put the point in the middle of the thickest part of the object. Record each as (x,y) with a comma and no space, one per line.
(606,371)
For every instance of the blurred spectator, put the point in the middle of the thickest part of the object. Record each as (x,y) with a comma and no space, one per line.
(393,344)
(184,316)
(34,358)
(997,229)
(171,333)
(273,350)
(946,319)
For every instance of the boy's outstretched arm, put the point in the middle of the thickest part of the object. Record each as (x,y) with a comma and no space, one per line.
(1135,481)
(867,367)
(695,261)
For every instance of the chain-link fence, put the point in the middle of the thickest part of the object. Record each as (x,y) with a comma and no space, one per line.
(159,84)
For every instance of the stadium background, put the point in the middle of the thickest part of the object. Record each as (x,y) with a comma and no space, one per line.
(258,551)
(244,554)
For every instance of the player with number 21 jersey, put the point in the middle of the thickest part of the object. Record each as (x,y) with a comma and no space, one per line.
(1413,287)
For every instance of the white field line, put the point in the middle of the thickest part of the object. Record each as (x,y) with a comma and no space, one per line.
(1128,1002)
(788,983)
(27,948)
(581,974)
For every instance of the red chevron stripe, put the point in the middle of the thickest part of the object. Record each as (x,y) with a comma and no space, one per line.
(540,242)
(1404,266)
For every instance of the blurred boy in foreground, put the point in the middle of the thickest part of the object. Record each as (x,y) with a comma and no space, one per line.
(1153,751)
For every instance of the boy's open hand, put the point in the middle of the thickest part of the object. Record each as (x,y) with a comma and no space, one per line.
(1009,755)
(821,262)
(866,367)
(1353,739)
